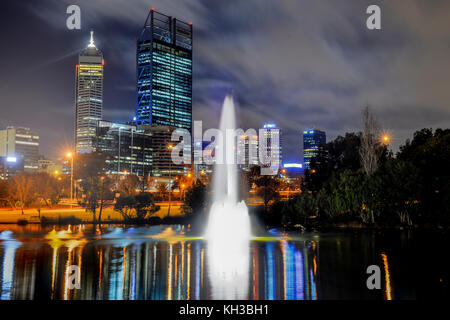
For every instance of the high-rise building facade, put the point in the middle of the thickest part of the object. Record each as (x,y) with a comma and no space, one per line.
(272,150)
(313,139)
(161,151)
(164,72)
(141,150)
(20,143)
(247,151)
(130,151)
(88,96)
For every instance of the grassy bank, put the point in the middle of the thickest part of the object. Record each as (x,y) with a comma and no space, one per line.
(66,214)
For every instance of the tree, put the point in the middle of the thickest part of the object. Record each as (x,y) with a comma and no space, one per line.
(90,168)
(162,189)
(335,157)
(430,153)
(47,188)
(21,189)
(106,193)
(298,209)
(125,205)
(370,142)
(195,199)
(129,185)
(347,194)
(401,185)
(267,187)
(144,205)
(4,193)
(136,207)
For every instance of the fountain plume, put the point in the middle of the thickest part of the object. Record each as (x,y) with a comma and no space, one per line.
(228,231)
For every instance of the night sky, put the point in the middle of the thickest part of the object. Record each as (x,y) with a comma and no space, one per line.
(296,63)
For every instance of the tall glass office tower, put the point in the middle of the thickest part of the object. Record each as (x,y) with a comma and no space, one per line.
(313,139)
(272,150)
(89,96)
(164,72)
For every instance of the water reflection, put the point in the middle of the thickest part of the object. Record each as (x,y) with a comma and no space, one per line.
(10,246)
(387,277)
(165,263)
(228,270)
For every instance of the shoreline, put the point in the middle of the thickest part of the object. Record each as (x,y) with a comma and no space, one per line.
(183,220)
(78,215)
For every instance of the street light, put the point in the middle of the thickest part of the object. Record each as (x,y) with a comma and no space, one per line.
(386,138)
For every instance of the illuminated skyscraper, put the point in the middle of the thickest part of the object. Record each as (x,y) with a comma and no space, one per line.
(164,72)
(313,139)
(245,146)
(272,150)
(89,96)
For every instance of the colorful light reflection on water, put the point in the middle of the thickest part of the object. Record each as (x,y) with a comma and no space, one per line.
(162,263)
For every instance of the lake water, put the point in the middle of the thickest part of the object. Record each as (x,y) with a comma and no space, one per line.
(171,262)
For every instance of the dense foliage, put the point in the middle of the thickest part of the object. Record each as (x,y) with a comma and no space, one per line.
(195,199)
(411,188)
(137,206)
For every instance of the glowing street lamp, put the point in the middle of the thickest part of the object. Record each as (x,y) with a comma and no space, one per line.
(386,138)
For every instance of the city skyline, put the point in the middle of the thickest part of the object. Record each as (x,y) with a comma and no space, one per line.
(360,67)
(244,152)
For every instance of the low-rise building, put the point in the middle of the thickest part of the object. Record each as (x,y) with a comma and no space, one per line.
(19,142)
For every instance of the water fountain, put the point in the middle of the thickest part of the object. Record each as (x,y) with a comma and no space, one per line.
(228,231)
(228,218)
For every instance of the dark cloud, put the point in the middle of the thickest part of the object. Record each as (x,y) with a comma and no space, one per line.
(297,63)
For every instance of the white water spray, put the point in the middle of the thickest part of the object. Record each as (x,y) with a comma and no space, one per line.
(227,215)
(228,231)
